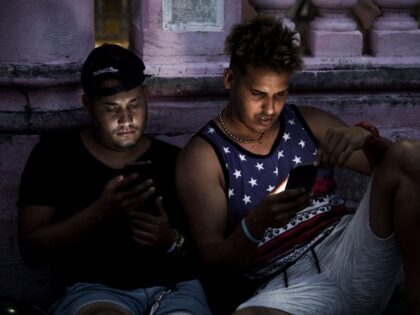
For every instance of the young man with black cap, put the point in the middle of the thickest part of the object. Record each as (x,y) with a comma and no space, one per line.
(115,252)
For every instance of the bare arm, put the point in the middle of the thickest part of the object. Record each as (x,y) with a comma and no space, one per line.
(200,185)
(342,145)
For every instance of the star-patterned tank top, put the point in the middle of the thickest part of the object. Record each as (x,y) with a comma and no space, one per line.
(250,177)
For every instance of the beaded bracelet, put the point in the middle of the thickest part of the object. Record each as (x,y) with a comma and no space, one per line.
(248,233)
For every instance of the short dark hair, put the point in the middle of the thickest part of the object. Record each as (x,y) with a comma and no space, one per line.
(264,41)
(110,61)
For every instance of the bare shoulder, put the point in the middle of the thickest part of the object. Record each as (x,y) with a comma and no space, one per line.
(197,145)
(407,151)
(198,158)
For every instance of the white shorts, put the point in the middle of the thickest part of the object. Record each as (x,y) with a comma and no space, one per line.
(358,273)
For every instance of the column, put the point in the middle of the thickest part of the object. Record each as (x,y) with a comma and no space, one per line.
(43,45)
(333,32)
(276,8)
(182,38)
(395,32)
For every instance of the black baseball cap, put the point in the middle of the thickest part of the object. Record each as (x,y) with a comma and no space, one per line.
(110,61)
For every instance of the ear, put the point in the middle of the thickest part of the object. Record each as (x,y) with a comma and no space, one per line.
(228,78)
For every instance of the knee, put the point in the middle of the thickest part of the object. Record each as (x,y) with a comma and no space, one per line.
(404,155)
(103,310)
(259,310)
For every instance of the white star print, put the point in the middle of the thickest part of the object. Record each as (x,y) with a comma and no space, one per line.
(286,136)
(210,131)
(227,166)
(315,152)
(280,154)
(291,122)
(237,174)
(226,149)
(231,192)
(247,199)
(302,143)
(270,188)
(260,166)
(253,182)
(242,157)
(297,160)
(276,171)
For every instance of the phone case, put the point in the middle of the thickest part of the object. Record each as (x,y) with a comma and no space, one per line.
(302,176)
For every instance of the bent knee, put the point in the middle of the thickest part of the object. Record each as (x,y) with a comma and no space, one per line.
(404,155)
(256,310)
(103,309)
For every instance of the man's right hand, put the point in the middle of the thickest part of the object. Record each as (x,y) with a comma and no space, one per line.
(276,210)
(119,196)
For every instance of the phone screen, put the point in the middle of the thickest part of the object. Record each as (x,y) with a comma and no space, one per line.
(302,176)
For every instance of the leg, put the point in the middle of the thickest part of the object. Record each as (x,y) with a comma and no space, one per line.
(259,311)
(395,207)
(103,309)
(188,299)
(98,299)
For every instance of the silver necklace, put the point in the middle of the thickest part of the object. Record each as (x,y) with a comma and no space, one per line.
(259,140)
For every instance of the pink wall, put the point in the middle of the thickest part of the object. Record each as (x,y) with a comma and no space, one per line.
(44,42)
(56,32)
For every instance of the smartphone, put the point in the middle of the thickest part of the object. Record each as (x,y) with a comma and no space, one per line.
(303,175)
(145,170)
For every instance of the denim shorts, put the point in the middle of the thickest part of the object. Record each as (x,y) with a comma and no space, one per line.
(185,298)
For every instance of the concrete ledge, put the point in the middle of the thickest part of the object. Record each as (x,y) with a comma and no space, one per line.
(175,116)
(39,75)
(347,78)
(321,74)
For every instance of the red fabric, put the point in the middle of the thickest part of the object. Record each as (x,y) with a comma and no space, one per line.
(371,128)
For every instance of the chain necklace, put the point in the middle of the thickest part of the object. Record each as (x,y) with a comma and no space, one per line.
(259,140)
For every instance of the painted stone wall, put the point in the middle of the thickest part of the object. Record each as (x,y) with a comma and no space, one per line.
(40,92)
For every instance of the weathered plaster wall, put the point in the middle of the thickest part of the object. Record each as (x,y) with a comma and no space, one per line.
(40,92)
(390,98)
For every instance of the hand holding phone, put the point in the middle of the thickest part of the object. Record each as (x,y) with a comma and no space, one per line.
(144,170)
(285,200)
(302,175)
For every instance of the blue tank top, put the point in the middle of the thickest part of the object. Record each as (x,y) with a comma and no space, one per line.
(250,177)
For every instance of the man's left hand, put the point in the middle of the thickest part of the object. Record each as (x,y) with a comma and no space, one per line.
(152,229)
(339,143)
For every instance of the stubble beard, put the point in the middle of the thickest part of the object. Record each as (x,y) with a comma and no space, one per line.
(126,144)
(113,142)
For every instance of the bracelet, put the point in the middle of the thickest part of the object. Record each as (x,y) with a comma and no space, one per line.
(179,246)
(176,247)
(371,128)
(248,233)
(173,246)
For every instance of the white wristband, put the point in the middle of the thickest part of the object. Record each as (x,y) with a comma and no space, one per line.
(248,233)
